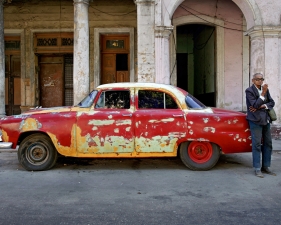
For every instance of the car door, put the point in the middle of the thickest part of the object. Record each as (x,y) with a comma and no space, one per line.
(160,122)
(107,127)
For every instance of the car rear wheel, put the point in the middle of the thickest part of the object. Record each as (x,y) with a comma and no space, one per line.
(199,155)
(37,152)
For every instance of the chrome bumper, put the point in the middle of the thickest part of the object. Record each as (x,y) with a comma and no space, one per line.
(5,145)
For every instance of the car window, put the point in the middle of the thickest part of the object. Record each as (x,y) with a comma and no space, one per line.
(114,100)
(88,101)
(148,99)
(193,102)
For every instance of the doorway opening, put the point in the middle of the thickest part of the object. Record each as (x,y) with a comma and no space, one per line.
(12,76)
(196,72)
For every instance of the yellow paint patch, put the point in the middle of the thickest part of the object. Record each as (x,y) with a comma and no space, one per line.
(66,150)
(110,144)
(163,120)
(30,124)
(101,122)
(5,136)
(156,144)
(123,122)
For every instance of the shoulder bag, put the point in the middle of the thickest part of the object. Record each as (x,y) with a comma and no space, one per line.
(272,114)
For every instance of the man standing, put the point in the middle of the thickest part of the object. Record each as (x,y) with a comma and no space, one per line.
(259,101)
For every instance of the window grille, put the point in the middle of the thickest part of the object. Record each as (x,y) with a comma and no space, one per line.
(68,80)
(12,45)
(47,42)
(67,41)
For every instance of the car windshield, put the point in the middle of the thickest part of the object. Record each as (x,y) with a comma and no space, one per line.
(193,103)
(88,101)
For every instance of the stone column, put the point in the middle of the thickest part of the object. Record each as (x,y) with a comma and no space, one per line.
(81,70)
(265,58)
(162,54)
(146,39)
(2,62)
(257,53)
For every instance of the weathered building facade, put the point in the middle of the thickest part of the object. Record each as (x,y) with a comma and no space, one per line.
(53,52)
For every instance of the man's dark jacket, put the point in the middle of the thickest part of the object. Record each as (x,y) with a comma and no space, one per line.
(260,116)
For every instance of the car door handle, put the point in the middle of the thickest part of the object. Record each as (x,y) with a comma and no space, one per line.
(127,115)
(177,115)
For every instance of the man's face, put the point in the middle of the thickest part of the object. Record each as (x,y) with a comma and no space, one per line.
(258,80)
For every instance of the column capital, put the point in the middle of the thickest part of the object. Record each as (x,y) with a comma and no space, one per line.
(80,1)
(163,31)
(144,2)
(264,31)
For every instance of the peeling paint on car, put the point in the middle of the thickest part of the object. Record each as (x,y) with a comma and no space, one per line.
(163,120)
(206,120)
(216,118)
(209,129)
(101,122)
(156,144)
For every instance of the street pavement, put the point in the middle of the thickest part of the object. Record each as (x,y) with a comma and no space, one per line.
(139,192)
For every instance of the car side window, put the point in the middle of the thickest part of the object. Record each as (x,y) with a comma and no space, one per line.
(114,100)
(148,99)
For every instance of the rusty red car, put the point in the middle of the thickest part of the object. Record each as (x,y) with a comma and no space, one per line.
(127,120)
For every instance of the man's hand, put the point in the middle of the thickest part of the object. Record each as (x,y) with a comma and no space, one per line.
(264,89)
(252,109)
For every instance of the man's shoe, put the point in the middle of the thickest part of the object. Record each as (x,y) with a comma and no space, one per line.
(258,173)
(268,171)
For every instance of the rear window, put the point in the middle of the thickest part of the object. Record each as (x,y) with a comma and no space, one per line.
(148,99)
(193,103)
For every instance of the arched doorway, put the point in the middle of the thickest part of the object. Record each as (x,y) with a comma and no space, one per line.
(196,61)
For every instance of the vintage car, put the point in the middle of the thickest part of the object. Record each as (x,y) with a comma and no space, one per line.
(128,120)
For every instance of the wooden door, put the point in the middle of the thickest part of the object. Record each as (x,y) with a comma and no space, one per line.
(51,81)
(12,84)
(108,68)
(115,59)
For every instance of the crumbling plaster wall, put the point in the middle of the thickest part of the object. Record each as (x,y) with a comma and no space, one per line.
(58,16)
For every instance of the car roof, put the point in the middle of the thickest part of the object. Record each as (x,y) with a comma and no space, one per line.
(169,88)
(138,85)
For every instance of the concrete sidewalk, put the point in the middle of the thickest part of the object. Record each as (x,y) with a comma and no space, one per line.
(275,142)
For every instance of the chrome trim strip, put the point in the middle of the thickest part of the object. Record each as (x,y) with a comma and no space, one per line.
(5,145)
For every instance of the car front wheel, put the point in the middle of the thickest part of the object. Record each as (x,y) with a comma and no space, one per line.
(37,152)
(199,155)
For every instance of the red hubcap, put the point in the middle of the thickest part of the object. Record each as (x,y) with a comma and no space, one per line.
(200,152)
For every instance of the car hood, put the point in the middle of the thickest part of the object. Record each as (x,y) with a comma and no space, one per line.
(49,110)
(227,111)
